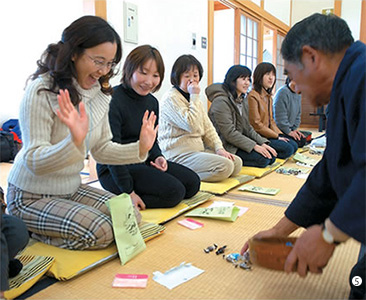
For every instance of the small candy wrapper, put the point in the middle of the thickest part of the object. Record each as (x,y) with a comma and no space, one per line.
(130,280)
(191,224)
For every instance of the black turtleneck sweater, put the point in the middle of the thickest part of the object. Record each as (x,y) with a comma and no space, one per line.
(186,95)
(125,118)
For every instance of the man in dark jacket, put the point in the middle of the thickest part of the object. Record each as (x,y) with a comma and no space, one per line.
(329,67)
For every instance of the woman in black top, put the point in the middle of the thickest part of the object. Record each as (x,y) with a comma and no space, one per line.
(156,183)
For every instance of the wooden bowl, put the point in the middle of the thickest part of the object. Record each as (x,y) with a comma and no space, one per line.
(271,252)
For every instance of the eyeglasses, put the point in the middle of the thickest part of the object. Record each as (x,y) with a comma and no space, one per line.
(101,64)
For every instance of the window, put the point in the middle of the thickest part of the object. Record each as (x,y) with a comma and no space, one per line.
(248,42)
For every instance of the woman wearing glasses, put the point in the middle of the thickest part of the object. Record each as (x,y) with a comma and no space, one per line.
(63,116)
(157,183)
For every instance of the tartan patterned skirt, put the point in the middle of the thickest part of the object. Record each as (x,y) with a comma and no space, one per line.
(72,221)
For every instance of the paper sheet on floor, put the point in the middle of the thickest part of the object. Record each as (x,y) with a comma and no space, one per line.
(177,275)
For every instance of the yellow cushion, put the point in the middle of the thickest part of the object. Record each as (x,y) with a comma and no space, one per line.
(260,172)
(223,186)
(162,215)
(70,263)
(34,267)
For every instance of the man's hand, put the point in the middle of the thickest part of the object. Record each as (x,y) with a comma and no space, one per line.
(282,229)
(310,254)
(260,235)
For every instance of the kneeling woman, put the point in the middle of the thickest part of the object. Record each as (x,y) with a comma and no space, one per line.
(261,113)
(229,114)
(186,134)
(156,183)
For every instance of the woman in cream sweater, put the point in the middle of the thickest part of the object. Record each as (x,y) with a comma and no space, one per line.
(186,134)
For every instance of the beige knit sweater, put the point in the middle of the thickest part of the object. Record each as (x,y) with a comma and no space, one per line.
(49,162)
(184,126)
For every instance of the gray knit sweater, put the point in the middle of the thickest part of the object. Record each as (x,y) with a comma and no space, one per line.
(287,109)
(49,162)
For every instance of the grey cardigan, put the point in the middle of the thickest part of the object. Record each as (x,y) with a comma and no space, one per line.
(233,128)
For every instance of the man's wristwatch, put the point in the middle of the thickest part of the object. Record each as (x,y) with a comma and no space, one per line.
(327,236)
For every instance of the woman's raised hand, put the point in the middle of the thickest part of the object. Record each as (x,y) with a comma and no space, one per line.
(193,88)
(148,132)
(77,122)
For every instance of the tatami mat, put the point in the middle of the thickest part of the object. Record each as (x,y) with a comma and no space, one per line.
(289,185)
(220,279)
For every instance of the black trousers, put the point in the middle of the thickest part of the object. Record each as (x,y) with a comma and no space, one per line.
(14,237)
(156,188)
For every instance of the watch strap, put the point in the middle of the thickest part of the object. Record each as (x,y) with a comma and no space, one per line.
(327,236)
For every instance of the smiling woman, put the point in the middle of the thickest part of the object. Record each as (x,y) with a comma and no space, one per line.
(63,116)
(94,63)
(158,183)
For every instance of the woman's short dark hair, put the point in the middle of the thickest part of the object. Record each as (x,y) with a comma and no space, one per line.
(262,69)
(235,72)
(137,58)
(183,64)
(85,32)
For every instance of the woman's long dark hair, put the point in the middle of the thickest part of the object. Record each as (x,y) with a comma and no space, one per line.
(262,69)
(86,32)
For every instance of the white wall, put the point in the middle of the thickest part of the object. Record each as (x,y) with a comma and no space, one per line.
(223,43)
(257,2)
(304,8)
(27,27)
(281,9)
(167,25)
(351,13)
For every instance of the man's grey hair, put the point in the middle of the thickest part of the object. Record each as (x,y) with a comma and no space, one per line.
(326,33)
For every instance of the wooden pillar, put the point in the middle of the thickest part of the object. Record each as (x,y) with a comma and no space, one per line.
(363,22)
(210,41)
(101,8)
(237,20)
(338,7)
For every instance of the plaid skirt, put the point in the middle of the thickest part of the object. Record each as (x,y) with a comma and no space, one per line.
(73,221)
